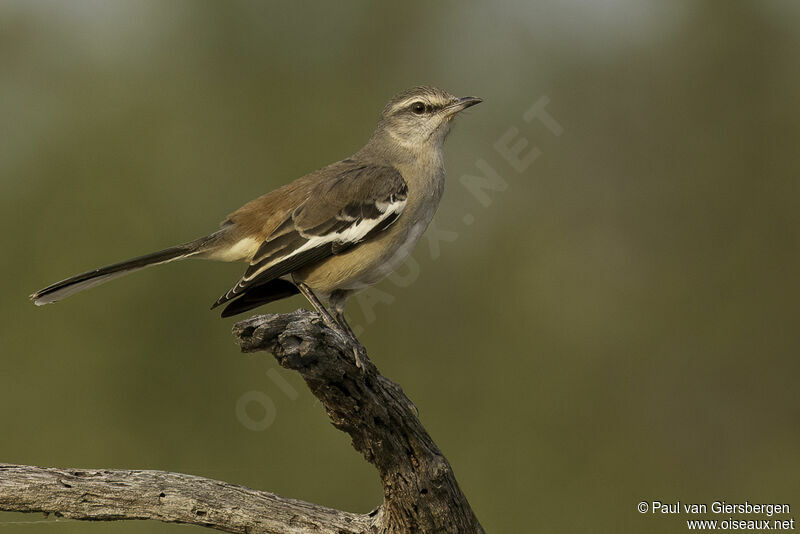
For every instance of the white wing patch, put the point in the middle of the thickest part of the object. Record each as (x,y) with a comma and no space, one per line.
(349,236)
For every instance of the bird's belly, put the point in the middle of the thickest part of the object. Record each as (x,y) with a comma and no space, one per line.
(387,263)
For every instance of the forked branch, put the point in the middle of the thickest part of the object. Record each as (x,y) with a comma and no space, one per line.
(420,490)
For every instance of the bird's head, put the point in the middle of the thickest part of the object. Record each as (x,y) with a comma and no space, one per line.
(420,118)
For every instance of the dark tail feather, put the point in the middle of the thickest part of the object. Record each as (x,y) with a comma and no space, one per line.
(80,282)
(253,298)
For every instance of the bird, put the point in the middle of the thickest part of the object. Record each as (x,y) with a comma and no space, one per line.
(332,232)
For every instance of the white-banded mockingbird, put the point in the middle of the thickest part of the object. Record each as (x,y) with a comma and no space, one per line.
(332,232)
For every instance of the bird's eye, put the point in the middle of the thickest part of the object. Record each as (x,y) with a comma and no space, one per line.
(418,108)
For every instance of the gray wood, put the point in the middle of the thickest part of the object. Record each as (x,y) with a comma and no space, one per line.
(420,492)
(110,495)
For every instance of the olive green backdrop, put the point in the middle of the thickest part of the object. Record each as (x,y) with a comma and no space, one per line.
(614,320)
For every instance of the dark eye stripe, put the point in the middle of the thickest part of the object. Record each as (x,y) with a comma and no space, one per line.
(418,107)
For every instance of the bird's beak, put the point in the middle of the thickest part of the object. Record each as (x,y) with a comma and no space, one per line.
(462,103)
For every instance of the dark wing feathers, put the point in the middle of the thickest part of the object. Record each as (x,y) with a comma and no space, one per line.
(257,296)
(341,211)
(353,193)
(282,237)
(253,278)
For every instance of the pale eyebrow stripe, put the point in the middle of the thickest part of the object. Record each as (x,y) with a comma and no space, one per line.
(408,101)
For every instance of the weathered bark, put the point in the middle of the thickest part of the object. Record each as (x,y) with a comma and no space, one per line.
(106,495)
(420,490)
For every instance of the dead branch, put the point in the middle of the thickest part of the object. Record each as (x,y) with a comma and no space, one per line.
(420,492)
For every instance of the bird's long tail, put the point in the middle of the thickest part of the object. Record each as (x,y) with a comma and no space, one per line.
(89,279)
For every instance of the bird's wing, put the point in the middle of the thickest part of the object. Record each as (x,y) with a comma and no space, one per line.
(341,211)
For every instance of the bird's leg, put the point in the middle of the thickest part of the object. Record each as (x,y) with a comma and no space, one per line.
(337,301)
(339,323)
(312,298)
(340,319)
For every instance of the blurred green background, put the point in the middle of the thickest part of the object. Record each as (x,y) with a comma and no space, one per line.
(619,324)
